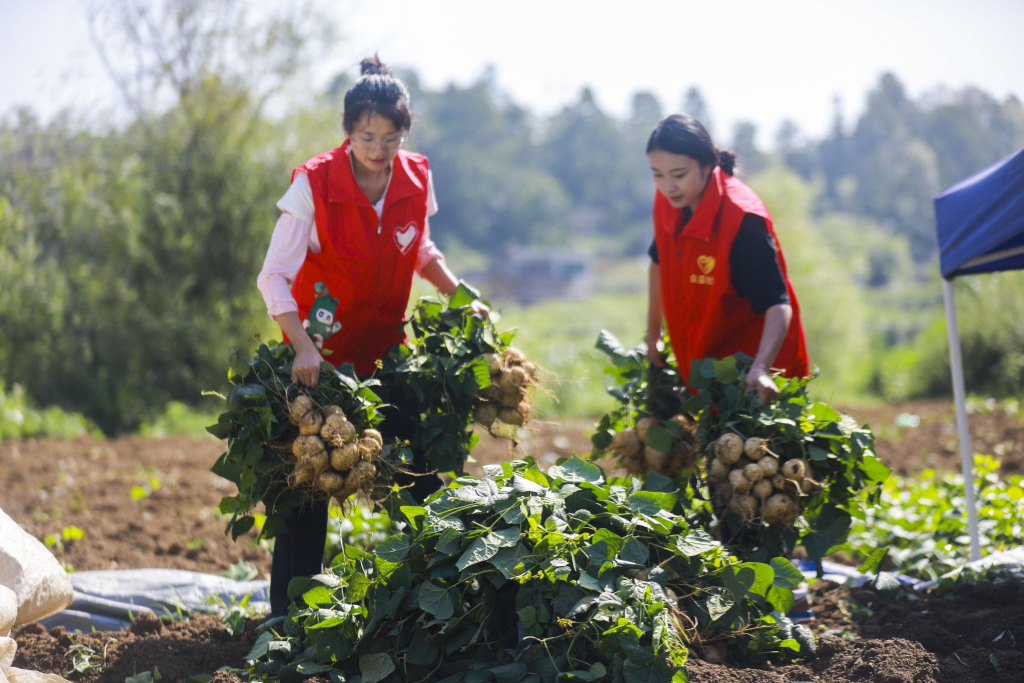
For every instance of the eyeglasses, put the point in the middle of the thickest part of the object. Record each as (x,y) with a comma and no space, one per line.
(366,143)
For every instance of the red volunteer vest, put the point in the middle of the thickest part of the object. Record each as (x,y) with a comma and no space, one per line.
(366,263)
(705,316)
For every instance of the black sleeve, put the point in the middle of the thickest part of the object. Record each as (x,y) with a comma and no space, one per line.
(653,251)
(756,275)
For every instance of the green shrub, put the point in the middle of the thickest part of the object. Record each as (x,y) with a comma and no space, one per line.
(989,310)
(20,420)
(179,418)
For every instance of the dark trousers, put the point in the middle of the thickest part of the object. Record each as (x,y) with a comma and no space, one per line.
(401,416)
(299,551)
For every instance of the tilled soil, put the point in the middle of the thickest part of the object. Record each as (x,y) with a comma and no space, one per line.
(146,503)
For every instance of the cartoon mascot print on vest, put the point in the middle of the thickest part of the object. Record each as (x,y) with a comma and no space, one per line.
(320,323)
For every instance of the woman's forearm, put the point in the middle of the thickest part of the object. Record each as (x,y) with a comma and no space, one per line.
(438,274)
(306,366)
(773,334)
(292,328)
(654,312)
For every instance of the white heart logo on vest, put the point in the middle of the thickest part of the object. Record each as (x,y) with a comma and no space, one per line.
(404,237)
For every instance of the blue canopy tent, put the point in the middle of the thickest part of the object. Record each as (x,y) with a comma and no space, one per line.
(980,223)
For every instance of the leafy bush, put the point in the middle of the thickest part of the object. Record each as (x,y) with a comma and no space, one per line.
(20,420)
(534,576)
(124,271)
(989,310)
(178,418)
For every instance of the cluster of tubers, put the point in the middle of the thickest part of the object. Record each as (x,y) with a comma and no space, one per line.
(753,482)
(505,399)
(330,456)
(637,456)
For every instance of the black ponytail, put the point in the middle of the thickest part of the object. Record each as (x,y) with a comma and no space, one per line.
(683,134)
(378,91)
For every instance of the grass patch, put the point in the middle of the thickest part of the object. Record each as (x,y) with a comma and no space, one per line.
(560,337)
(177,419)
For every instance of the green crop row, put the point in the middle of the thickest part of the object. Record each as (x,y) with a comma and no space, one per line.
(922,519)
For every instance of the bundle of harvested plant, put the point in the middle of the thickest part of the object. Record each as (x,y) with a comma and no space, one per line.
(506,399)
(338,461)
(667,446)
(287,442)
(746,479)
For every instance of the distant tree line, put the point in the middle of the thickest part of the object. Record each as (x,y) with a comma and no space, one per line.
(500,171)
(128,253)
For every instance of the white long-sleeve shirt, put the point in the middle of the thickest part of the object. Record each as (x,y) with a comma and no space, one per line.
(295,234)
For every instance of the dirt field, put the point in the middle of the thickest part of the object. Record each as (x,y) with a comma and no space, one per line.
(51,485)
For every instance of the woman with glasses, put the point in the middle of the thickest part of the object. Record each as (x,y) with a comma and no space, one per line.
(717,278)
(337,275)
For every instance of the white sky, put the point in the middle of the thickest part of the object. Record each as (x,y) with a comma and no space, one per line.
(756,60)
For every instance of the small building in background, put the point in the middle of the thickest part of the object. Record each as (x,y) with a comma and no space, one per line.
(532,274)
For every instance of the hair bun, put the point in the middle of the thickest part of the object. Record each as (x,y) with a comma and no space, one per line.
(371,66)
(727,160)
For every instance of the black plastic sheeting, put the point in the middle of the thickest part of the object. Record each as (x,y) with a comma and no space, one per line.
(109,600)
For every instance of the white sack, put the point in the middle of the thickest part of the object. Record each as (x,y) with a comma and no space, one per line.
(8,610)
(23,676)
(29,569)
(7,650)
(9,674)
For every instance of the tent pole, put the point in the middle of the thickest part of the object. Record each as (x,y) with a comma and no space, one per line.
(960,398)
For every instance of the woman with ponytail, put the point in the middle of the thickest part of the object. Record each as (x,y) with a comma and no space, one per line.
(338,273)
(718,278)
